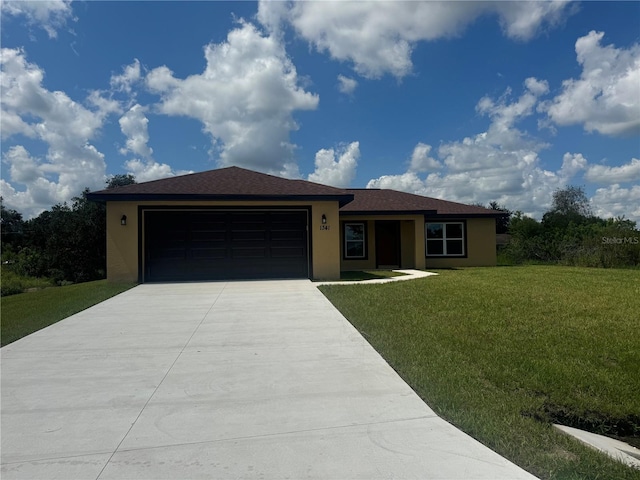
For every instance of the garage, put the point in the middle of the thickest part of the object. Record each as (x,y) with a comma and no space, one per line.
(183,245)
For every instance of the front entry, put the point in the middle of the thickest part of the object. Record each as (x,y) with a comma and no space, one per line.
(387,244)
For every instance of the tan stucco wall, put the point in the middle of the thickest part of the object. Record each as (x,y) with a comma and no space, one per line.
(122,241)
(481,246)
(411,241)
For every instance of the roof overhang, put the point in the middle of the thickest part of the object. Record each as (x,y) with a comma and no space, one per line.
(388,212)
(465,215)
(105,196)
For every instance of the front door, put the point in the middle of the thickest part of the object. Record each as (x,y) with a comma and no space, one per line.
(387,244)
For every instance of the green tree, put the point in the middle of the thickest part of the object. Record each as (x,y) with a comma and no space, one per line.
(120,180)
(571,200)
(11,227)
(502,223)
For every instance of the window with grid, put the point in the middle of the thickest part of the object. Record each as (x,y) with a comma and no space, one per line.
(445,239)
(355,240)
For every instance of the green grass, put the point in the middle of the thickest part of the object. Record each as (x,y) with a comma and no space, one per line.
(26,313)
(360,275)
(504,352)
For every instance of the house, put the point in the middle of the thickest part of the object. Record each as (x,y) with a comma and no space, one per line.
(234,223)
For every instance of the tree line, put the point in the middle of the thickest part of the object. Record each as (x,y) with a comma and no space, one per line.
(66,244)
(570,234)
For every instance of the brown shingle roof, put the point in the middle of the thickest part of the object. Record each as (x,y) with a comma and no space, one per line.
(231,182)
(371,200)
(237,183)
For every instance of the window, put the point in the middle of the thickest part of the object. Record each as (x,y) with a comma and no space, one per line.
(445,239)
(355,240)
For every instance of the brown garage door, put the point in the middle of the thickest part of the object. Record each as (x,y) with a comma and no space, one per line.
(215,245)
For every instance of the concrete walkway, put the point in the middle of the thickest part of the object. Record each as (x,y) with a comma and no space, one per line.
(220,380)
(409,274)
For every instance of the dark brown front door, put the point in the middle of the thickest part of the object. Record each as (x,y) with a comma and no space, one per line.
(387,243)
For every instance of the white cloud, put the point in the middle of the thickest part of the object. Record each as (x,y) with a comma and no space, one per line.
(346,85)
(63,125)
(501,164)
(336,167)
(245,99)
(147,170)
(131,74)
(50,15)
(406,182)
(22,168)
(629,172)
(134,126)
(614,201)
(522,20)
(572,163)
(605,98)
(421,161)
(379,37)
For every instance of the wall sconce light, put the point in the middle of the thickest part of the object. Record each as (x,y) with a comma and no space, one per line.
(123,220)
(324,219)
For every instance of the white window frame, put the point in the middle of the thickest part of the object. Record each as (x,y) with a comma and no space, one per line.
(444,239)
(363,241)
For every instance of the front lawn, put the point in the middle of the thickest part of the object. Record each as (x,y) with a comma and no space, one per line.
(26,313)
(504,352)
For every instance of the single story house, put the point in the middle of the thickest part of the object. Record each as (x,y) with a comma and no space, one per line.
(234,223)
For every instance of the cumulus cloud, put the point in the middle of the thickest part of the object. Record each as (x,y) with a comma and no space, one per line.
(346,85)
(379,37)
(336,167)
(572,164)
(245,99)
(615,201)
(522,20)
(131,74)
(66,128)
(501,164)
(605,98)
(134,126)
(629,172)
(149,169)
(49,15)
(421,161)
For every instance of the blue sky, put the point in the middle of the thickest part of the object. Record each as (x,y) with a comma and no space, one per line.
(466,101)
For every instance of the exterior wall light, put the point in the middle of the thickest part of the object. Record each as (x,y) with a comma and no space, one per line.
(324,219)
(123,220)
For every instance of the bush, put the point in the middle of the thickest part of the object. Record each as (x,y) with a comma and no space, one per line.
(13,283)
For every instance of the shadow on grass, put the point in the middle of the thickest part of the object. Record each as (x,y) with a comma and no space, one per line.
(360,275)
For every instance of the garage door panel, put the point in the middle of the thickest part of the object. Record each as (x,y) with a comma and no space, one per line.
(249,235)
(207,245)
(248,252)
(286,252)
(209,253)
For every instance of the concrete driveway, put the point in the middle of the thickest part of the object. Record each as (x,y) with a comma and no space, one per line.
(220,380)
